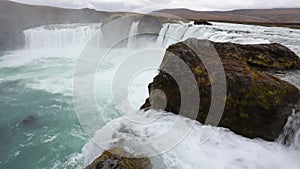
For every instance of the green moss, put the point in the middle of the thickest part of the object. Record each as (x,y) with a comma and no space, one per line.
(271,93)
(198,70)
(120,159)
(265,95)
(244,115)
(258,62)
(276,65)
(260,57)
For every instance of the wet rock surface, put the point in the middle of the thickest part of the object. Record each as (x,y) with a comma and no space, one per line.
(202,22)
(116,158)
(258,104)
(29,120)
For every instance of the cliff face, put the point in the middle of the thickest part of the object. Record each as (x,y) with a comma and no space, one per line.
(15,17)
(257,103)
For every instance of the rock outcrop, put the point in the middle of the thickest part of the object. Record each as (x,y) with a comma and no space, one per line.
(202,22)
(257,103)
(118,159)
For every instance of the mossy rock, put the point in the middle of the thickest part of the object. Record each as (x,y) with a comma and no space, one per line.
(116,158)
(257,103)
(272,56)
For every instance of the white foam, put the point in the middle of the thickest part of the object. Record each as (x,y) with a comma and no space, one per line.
(74,161)
(50,139)
(224,150)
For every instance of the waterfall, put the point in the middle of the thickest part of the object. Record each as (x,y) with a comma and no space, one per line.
(175,32)
(291,132)
(132,35)
(171,33)
(162,34)
(60,36)
(65,35)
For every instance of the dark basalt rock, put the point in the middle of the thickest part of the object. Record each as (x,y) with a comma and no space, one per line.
(202,22)
(29,120)
(257,103)
(118,159)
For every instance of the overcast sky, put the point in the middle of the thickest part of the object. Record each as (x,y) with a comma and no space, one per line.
(150,5)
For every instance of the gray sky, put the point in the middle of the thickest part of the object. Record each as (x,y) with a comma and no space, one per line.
(150,5)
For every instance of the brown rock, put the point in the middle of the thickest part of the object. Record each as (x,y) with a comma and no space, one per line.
(116,158)
(257,103)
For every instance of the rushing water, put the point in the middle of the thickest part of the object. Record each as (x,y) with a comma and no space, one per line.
(39,127)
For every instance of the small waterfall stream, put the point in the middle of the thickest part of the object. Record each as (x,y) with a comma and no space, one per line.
(132,35)
(291,131)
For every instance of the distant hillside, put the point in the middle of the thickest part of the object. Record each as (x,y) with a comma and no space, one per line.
(289,16)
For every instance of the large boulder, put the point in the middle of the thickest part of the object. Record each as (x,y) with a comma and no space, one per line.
(116,158)
(257,103)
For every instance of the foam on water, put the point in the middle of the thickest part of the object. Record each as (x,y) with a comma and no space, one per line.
(224,150)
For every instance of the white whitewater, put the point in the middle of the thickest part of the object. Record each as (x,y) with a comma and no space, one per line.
(52,72)
(224,150)
(61,36)
(132,35)
(223,32)
(291,131)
